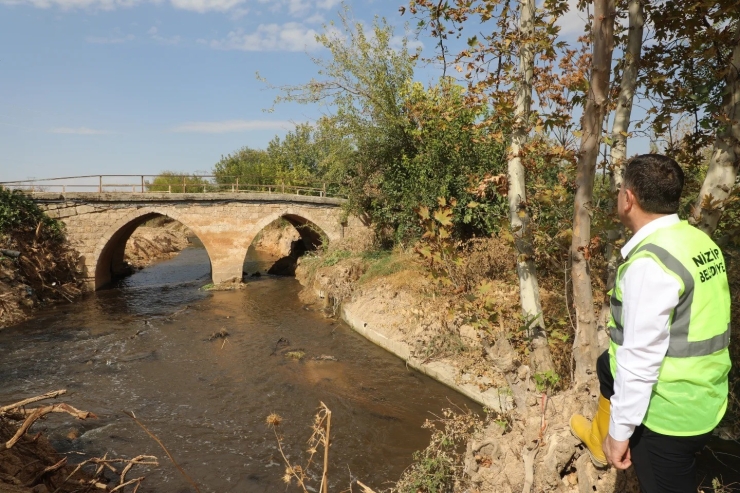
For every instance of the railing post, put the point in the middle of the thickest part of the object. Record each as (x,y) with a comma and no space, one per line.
(237,183)
(283,188)
(100,183)
(64,188)
(169,188)
(183,184)
(142,184)
(323,193)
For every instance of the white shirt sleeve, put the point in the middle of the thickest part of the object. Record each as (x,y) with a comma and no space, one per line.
(649,296)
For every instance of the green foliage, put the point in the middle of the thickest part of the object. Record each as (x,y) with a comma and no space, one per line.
(306,156)
(334,257)
(437,246)
(171,181)
(438,468)
(250,166)
(390,143)
(546,381)
(19,214)
(382,263)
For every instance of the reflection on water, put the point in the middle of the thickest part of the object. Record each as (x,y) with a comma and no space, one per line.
(144,346)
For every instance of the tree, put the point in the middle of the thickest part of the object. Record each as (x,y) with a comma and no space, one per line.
(585,346)
(175,182)
(250,166)
(725,158)
(393,144)
(620,132)
(529,291)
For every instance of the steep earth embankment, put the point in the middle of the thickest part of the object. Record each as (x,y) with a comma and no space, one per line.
(527,445)
(156,240)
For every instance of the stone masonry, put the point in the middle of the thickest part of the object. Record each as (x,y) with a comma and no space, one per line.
(98,224)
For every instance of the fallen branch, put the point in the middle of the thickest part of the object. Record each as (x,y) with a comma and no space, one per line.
(54,408)
(48,395)
(46,471)
(33,415)
(104,463)
(365,488)
(123,485)
(182,471)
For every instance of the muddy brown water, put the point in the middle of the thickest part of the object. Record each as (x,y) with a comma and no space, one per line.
(143,346)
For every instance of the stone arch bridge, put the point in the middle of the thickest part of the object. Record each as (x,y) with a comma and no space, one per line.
(99,224)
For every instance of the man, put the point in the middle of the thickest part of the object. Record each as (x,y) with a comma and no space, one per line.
(663,380)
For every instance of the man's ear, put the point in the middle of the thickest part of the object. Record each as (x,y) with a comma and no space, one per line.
(629,200)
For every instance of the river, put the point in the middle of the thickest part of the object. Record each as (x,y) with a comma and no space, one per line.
(145,346)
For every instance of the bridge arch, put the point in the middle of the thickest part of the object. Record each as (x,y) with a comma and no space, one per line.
(109,253)
(312,229)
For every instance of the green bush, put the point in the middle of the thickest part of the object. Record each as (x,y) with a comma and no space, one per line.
(19,214)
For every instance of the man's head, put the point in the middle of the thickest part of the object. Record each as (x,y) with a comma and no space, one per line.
(651,186)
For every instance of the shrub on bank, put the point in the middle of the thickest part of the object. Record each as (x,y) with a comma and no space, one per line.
(46,267)
(19,215)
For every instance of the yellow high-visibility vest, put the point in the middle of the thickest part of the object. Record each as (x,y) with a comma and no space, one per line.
(690,397)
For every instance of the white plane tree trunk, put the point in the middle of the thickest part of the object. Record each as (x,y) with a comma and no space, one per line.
(723,165)
(529,290)
(620,130)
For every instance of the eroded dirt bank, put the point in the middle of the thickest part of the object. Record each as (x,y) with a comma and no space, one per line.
(158,239)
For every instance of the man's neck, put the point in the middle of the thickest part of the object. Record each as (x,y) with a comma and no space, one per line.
(642,219)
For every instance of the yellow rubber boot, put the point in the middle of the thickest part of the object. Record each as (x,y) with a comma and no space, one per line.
(592,434)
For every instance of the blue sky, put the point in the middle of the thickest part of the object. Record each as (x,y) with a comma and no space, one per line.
(142,86)
(134,86)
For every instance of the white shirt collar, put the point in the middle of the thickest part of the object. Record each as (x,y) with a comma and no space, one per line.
(647,230)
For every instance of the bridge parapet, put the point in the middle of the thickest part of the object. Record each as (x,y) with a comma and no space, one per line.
(173,183)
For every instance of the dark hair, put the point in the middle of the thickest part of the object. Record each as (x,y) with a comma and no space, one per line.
(656,181)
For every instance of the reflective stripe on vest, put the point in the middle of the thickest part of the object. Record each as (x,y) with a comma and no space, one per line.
(679,345)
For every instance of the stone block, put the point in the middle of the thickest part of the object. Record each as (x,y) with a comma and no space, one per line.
(85,209)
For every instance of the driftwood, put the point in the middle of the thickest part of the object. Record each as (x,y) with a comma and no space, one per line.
(30,400)
(47,470)
(18,411)
(365,488)
(105,463)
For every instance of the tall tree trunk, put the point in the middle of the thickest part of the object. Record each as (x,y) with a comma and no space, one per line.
(585,345)
(529,291)
(725,158)
(619,137)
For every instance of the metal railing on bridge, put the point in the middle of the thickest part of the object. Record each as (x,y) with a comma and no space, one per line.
(165,184)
